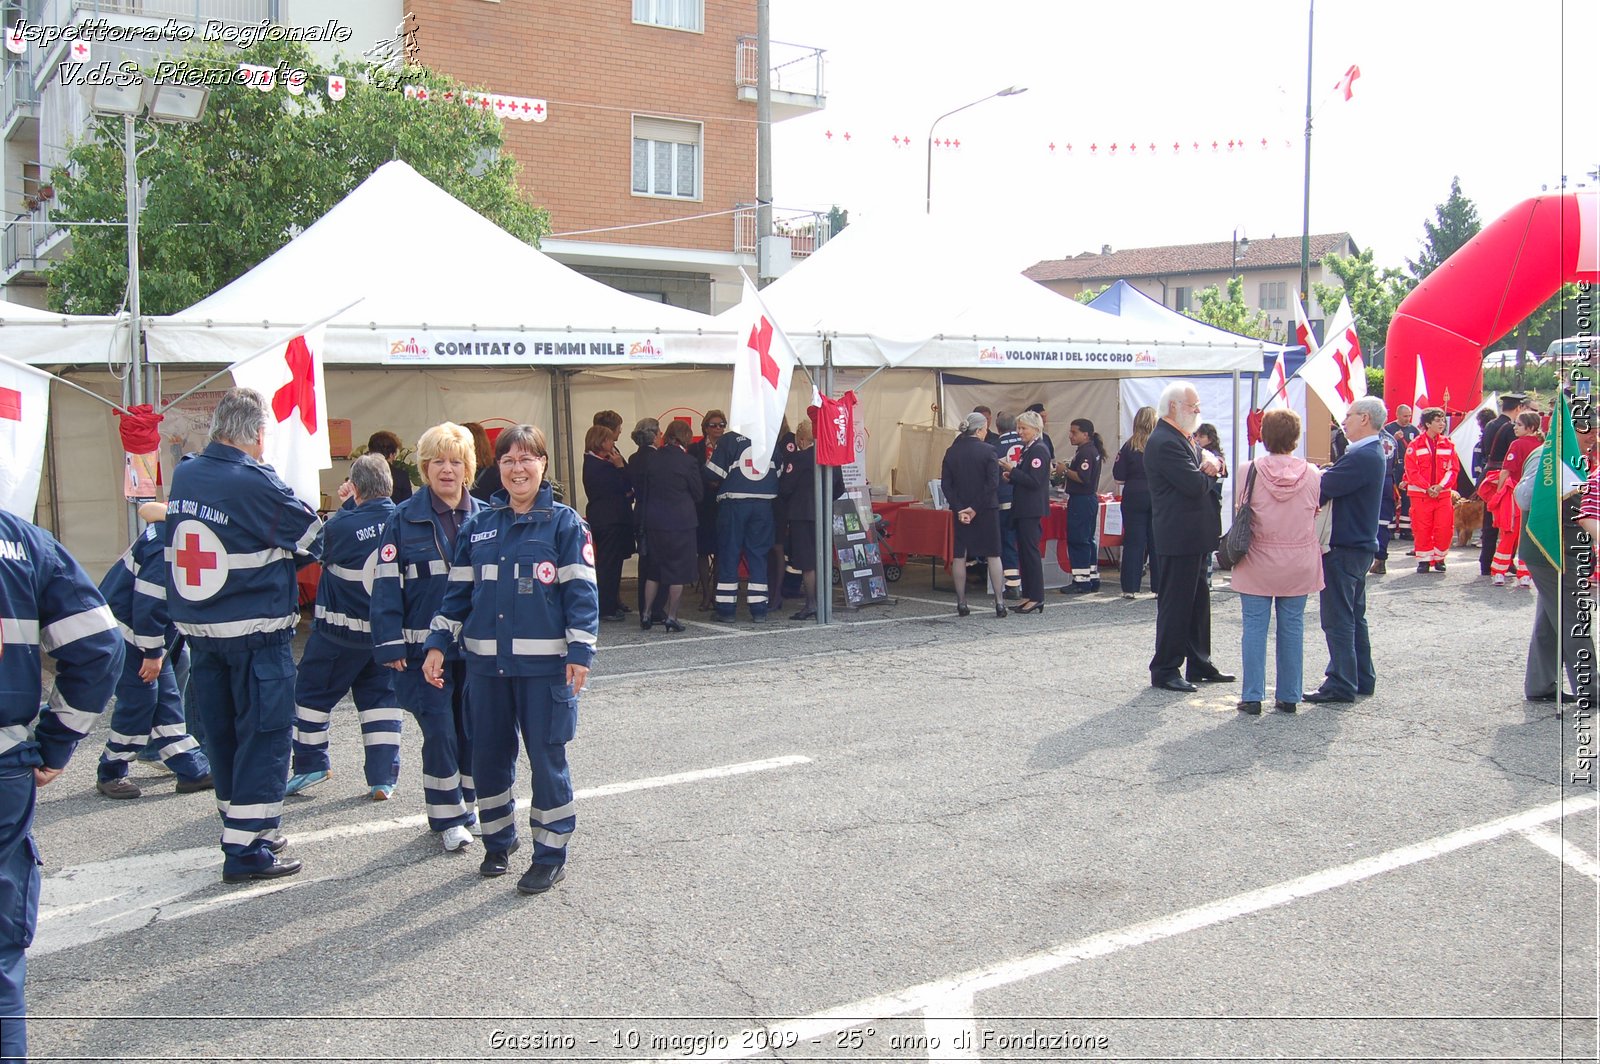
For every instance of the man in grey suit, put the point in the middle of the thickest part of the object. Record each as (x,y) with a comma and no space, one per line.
(1187,517)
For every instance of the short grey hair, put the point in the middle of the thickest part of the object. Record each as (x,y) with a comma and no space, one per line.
(1031,419)
(370,476)
(1005,422)
(645,432)
(1174,394)
(240,417)
(1370,407)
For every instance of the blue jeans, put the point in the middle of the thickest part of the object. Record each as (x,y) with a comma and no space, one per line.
(1290,650)
(1344,622)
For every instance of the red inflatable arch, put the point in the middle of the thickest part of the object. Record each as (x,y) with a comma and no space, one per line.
(1482,291)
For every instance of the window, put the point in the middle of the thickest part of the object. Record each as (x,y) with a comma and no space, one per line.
(666,158)
(1182,298)
(1274,295)
(672,14)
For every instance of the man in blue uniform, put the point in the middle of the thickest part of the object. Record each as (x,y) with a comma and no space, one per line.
(48,603)
(524,607)
(235,534)
(338,656)
(1391,448)
(1009,447)
(149,706)
(744,524)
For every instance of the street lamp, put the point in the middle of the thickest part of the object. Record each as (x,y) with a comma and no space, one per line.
(1014,90)
(158,101)
(1241,246)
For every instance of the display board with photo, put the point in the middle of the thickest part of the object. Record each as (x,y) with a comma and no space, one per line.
(857,553)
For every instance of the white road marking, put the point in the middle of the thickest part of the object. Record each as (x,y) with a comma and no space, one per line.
(930,997)
(1563,850)
(82,903)
(952,1035)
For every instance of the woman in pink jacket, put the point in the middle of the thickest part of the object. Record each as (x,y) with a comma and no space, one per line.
(1284,563)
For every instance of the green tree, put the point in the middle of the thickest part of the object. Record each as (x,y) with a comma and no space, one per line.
(1539,329)
(1089,295)
(1230,313)
(227,192)
(837,220)
(1457,222)
(1374,295)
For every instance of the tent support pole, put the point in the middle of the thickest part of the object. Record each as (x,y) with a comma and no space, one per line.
(1234,451)
(824,485)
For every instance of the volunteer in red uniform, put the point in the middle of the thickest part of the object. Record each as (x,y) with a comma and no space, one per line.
(1431,468)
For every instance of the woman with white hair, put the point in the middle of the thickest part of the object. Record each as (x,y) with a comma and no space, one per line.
(971,481)
(1030,503)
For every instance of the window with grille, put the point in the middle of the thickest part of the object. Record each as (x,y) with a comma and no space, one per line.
(666,158)
(1274,295)
(672,14)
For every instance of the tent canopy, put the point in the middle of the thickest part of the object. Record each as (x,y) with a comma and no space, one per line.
(1132,305)
(907,293)
(45,338)
(438,284)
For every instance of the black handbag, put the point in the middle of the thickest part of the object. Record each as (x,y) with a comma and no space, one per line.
(1236,544)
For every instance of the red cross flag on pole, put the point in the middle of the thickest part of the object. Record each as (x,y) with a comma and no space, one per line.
(24,407)
(1336,372)
(761,374)
(289,377)
(1302,329)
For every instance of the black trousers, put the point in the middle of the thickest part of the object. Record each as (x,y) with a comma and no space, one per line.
(1029,565)
(1183,618)
(1491,542)
(612,545)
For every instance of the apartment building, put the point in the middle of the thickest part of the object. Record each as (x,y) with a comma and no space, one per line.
(646,158)
(1175,273)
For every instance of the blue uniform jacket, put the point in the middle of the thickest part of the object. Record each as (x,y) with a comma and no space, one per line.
(351,541)
(737,480)
(235,535)
(48,603)
(522,598)
(1009,447)
(1354,484)
(136,591)
(412,575)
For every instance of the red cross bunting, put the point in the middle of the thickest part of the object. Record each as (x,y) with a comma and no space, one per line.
(538,108)
(80,49)
(301,391)
(194,561)
(338,86)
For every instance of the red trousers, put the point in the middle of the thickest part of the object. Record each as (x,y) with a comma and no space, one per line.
(1433,525)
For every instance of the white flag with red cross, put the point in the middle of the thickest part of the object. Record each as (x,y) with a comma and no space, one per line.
(1347,84)
(1278,385)
(290,378)
(336,87)
(1302,328)
(16,43)
(1419,402)
(760,381)
(24,412)
(1336,372)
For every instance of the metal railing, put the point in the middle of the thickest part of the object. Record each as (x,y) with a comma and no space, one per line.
(19,93)
(807,230)
(62,12)
(24,238)
(796,68)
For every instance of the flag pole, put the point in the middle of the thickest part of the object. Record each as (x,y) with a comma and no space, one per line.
(63,380)
(1305,223)
(263,349)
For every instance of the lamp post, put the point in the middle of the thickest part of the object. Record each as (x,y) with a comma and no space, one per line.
(129,98)
(1013,90)
(1241,246)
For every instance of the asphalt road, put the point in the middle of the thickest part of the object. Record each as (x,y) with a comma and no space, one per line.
(907,836)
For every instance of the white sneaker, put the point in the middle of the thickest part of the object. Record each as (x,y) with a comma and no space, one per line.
(476,827)
(1524,581)
(1499,579)
(455,838)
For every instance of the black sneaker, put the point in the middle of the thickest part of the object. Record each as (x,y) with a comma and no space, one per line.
(494,862)
(288,866)
(199,783)
(540,878)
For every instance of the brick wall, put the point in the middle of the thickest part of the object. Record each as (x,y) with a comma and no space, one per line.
(596,69)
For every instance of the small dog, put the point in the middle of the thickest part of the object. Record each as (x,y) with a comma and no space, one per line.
(1469,519)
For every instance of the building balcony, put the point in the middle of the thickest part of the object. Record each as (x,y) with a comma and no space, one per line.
(26,243)
(196,12)
(21,103)
(796,77)
(806,230)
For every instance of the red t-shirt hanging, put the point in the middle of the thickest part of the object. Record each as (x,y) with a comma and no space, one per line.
(835,425)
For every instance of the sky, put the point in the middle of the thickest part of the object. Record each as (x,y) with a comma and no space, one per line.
(1507,97)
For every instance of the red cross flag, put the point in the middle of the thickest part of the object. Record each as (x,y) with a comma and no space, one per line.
(1302,328)
(760,379)
(1336,372)
(336,88)
(290,377)
(1420,402)
(16,43)
(1347,84)
(1278,386)
(24,406)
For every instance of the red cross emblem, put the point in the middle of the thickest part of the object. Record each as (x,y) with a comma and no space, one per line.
(194,561)
(80,49)
(338,86)
(10,404)
(538,108)
(761,343)
(301,391)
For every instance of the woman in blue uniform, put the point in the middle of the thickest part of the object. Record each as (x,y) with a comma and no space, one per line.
(1138,540)
(1030,503)
(523,607)
(1083,505)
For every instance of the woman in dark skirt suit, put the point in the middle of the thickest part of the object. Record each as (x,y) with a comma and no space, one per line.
(971,482)
(1030,503)
(646,436)
(672,493)
(1137,522)
(610,515)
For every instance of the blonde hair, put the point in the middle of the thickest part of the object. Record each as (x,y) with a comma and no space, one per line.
(1031,419)
(1144,423)
(804,434)
(448,440)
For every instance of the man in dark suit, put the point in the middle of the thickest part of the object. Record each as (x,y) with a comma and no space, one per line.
(1353,486)
(1188,522)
